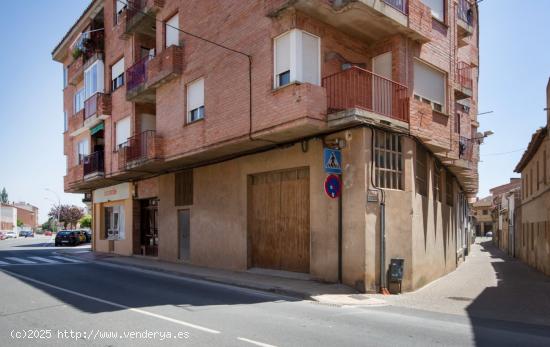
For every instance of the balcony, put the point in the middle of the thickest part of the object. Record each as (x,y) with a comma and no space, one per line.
(73,178)
(140,17)
(76,71)
(464,83)
(465,21)
(359,95)
(88,48)
(96,108)
(369,20)
(166,66)
(136,78)
(139,150)
(94,166)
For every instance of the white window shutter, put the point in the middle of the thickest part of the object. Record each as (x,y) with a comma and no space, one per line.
(310,59)
(120,5)
(172,35)
(282,53)
(429,83)
(117,69)
(122,131)
(195,94)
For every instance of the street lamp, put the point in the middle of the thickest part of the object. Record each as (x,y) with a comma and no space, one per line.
(58,206)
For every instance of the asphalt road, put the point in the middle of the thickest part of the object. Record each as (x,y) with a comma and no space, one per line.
(51,300)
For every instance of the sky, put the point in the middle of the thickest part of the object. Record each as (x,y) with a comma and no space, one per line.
(514,71)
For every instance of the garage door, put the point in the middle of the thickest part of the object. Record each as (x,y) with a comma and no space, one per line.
(278,220)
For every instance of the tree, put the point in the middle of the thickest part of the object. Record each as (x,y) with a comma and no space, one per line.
(86,221)
(69,215)
(19,223)
(4,196)
(49,225)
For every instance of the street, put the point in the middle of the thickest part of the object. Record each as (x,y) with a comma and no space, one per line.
(61,300)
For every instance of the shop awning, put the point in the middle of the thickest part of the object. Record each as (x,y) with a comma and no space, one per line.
(97,128)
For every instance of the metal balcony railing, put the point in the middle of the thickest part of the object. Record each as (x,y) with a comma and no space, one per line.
(465,148)
(464,11)
(360,88)
(94,163)
(136,75)
(465,75)
(400,5)
(138,148)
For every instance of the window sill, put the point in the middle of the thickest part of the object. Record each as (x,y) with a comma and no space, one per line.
(277,89)
(441,113)
(441,22)
(193,122)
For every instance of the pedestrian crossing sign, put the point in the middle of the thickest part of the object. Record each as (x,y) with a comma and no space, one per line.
(332,159)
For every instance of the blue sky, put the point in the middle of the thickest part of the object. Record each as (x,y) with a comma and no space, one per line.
(514,70)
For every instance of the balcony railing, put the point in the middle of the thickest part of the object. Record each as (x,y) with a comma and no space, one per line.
(360,88)
(464,11)
(400,5)
(136,75)
(99,103)
(138,149)
(465,75)
(94,163)
(465,148)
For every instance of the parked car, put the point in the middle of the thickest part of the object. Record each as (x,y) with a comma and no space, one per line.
(11,235)
(26,233)
(2,235)
(88,235)
(81,235)
(47,233)
(489,234)
(67,237)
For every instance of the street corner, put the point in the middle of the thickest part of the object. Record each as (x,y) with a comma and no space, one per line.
(350,300)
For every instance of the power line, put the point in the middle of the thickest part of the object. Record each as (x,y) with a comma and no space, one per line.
(503,153)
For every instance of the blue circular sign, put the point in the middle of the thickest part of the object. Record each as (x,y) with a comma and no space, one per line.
(333,186)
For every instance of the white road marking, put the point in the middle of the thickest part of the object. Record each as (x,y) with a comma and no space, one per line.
(65,259)
(46,260)
(20,260)
(137,310)
(255,342)
(4,263)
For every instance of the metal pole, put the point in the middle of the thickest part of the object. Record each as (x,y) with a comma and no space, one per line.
(340,234)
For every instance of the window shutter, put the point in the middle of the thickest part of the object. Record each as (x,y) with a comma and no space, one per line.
(310,59)
(429,83)
(117,69)
(184,188)
(121,5)
(437,7)
(122,131)
(195,94)
(172,35)
(282,53)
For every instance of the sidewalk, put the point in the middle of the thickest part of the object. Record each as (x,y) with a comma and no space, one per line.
(293,286)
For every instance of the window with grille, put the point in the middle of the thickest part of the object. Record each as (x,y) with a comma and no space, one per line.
(449,189)
(438,182)
(388,160)
(421,170)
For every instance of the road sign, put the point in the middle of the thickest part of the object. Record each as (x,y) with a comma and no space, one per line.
(332,161)
(333,186)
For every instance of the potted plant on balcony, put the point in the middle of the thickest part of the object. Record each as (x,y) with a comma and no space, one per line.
(77,52)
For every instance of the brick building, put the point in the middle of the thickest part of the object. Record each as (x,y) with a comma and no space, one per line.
(482,212)
(532,243)
(505,199)
(27,214)
(204,145)
(8,217)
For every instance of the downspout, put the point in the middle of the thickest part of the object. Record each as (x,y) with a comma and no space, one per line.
(383,286)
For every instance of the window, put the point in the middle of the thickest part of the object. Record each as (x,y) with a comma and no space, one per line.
(195,100)
(172,37)
(65,77)
(114,223)
(437,7)
(449,189)
(421,170)
(485,212)
(117,75)
(120,7)
(122,129)
(429,85)
(79,98)
(82,150)
(296,58)
(93,79)
(388,160)
(184,188)
(65,121)
(438,182)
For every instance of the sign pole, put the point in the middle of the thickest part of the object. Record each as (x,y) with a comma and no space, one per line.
(340,235)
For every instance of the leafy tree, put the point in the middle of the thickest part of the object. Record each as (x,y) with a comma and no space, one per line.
(4,196)
(69,215)
(49,225)
(19,223)
(86,221)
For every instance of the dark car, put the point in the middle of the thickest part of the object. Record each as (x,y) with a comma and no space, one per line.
(26,233)
(88,235)
(67,237)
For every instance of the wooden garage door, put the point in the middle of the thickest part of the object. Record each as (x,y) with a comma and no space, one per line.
(278,220)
